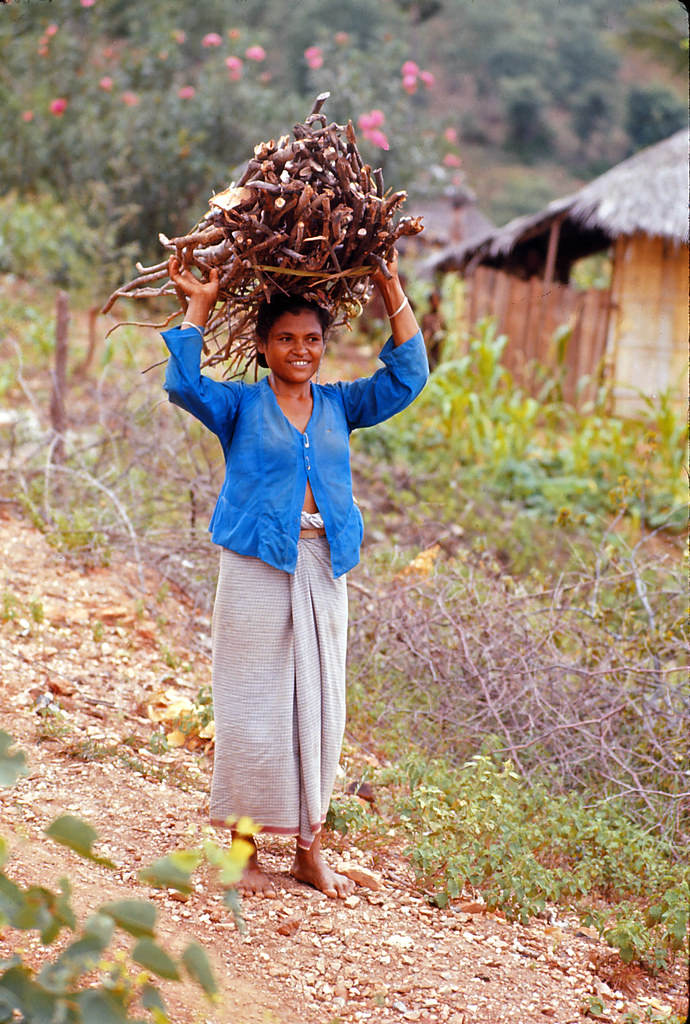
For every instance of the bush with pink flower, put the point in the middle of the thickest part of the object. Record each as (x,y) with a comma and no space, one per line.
(58,106)
(314,57)
(234,66)
(412,74)
(370,124)
(113,94)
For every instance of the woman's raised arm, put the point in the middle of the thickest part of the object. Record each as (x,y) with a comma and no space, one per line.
(403,321)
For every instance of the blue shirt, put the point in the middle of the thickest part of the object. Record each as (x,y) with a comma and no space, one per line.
(268,461)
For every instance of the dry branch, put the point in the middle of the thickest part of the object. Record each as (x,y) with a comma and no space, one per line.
(307,217)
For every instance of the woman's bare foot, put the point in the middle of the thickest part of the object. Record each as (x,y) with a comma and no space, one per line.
(254,879)
(310,867)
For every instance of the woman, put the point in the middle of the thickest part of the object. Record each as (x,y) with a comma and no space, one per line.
(289,531)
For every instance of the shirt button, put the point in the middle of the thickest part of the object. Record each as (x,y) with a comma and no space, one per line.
(307,463)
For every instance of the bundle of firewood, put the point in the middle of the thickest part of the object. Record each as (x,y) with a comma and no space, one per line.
(307,217)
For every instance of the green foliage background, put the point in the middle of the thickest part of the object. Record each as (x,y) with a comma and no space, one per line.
(554,86)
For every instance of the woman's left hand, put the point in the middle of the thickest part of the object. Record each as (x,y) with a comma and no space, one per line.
(400,313)
(380,279)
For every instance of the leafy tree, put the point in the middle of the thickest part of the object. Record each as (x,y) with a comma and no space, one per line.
(590,111)
(653,113)
(661,30)
(528,132)
(584,59)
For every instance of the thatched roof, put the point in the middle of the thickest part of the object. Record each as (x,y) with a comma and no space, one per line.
(647,194)
(449,219)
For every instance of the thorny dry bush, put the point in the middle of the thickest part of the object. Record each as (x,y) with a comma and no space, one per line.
(584,683)
(136,477)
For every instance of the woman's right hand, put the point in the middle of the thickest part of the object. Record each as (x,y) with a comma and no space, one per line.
(197,298)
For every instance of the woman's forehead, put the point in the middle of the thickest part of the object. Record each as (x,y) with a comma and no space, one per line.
(302,321)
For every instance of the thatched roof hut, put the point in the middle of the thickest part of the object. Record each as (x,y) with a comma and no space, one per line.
(645,194)
(636,330)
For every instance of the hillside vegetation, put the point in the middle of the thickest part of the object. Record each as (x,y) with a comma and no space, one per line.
(138,114)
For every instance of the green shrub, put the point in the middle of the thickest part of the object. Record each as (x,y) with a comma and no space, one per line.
(522,846)
(542,454)
(59,989)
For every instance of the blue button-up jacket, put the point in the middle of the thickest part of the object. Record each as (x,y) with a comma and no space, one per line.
(268,461)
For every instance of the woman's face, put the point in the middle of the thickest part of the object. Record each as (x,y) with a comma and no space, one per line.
(294,346)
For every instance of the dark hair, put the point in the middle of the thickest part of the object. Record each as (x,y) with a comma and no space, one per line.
(269,312)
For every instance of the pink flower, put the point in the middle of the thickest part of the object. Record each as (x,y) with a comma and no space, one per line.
(409,84)
(179,35)
(234,66)
(369,122)
(378,138)
(88,3)
(130,99)
(51,30)
(409,68)
(342,38)
(186,92)
(314,57)
(452,160)
(234,33)
(42,51)
(450,135)
(211,39)
(255,53)
(27,115)
(106,83)
(428,78)
(108,52)
(58,106)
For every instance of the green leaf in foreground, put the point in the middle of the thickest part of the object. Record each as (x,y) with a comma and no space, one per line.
(173,871)
(195,960)
(231,862)
(135,916)
(151,999)
(12,765)
(101,1008)
(77,835)
(17,989)
(153,957)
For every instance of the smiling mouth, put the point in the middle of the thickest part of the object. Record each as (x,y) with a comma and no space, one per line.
(300,362)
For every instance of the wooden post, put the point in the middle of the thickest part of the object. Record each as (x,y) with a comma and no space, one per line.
(58,416)
(91,347)
(545,301)
(554,235)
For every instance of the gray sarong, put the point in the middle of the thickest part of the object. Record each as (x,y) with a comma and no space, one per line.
(279,648)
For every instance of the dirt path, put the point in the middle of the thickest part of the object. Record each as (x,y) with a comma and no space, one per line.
(83,655)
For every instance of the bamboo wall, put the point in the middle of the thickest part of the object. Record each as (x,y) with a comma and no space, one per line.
(648,332)
(529,313)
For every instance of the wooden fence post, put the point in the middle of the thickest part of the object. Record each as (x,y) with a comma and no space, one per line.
(58,415)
